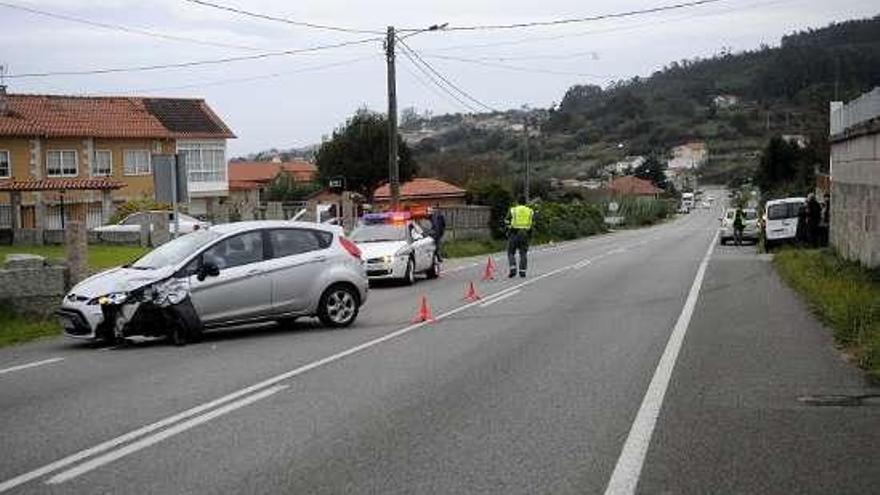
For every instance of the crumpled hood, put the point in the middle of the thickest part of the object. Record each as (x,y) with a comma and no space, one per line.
(379,249)
(119,280)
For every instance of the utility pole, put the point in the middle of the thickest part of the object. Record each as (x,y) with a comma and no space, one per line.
(393,170)
(526,151)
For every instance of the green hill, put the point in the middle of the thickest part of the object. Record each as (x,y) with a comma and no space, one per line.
(734,101)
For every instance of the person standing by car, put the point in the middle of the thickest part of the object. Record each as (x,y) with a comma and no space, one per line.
(438,228)
(814,217)
(739,225)
(519,228)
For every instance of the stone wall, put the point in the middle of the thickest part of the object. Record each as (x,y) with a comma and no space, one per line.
(30,285)
(28,237)
(855,194)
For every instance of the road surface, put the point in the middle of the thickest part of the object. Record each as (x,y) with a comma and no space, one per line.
(647,361)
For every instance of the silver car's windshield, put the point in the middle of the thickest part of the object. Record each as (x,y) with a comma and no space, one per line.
(379,233)
(175,251)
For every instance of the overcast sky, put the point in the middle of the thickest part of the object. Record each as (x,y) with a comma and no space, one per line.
(294,100)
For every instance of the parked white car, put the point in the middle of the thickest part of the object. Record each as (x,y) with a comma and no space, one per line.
(750,225)
(780,220)
(231,274)
(395,247)
(132,223)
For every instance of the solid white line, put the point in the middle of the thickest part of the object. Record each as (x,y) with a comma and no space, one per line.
(500,298)
(158,437)
(625,478)
(134,434)
(30,365)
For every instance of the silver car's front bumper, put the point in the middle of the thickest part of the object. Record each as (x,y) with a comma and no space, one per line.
(380,270)
(79,319)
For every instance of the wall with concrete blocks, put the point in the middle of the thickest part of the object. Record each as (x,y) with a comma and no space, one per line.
(855,194)
(31,285)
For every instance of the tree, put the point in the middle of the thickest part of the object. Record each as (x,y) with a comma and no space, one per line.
(284,187)
(653,170)
(358,151)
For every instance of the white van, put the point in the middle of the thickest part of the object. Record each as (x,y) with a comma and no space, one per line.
(780,220)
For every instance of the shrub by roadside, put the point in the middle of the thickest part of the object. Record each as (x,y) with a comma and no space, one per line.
(845,295)
(566,221)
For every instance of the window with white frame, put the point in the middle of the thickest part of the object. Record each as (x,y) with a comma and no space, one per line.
(205,160)
(61,163)
(102,166)
(136,162)
(5,165)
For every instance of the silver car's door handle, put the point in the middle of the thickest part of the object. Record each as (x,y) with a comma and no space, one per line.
(318,259)
(253,272)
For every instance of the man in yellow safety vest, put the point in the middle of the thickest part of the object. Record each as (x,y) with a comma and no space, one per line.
(519,227)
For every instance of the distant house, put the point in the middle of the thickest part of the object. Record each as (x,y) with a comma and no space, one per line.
(633,186)
(626,166)
(797,139)
(725,101)
(422,192)
(690,155)
(248,180)
(71,140)
(855,178)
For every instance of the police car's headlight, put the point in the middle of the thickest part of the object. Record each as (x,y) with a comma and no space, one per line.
(387,258)
(114,298)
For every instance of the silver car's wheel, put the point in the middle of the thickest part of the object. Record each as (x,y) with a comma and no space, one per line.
(339,306)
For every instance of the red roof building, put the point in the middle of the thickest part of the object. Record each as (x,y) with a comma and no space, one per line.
(244,175)
(633,186)
(423,191)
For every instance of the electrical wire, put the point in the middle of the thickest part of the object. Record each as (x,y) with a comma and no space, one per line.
(266,17)
(192,64)
(444,78)
(578,20)
(444,93)
(222,82)
(517,68)
(126,29)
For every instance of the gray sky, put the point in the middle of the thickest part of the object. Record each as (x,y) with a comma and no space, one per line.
(294,100)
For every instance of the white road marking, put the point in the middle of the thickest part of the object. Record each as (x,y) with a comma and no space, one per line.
(30,365)
(500,298)
(162,435)
(625,478)
(134,434)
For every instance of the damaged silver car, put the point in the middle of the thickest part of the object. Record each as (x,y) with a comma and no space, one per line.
(233,274)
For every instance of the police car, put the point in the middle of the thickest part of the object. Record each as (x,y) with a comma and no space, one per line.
(394,247)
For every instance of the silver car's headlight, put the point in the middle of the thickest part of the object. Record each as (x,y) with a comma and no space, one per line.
(114,298)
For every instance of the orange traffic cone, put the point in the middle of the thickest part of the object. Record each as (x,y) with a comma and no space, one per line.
(472,295)
(424,313)
(489,273)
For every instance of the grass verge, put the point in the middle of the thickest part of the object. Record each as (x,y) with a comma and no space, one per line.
(100,256)
(463,249)
(844,295)
(15,329)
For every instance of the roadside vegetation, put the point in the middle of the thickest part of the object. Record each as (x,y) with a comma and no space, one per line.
(15,329)
(101,257)
(843,294)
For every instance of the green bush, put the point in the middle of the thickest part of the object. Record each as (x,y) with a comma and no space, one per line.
(845,295)
(566,221)
(643,211)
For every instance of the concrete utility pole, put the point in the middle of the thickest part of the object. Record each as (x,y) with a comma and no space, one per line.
(393,170)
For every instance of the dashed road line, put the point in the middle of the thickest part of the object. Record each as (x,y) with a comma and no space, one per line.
(30,365)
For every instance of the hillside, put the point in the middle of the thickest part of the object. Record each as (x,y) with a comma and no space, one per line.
(734,101)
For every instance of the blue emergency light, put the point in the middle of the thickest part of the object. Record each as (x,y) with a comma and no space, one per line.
(386,217)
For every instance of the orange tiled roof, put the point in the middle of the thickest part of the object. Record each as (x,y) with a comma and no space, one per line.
(110,117)
(251,175)
(72,184)
(633,185)
(421,189)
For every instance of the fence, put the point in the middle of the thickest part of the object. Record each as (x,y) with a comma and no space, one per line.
(5,217)
(90,212)
(467,222)
(862,109)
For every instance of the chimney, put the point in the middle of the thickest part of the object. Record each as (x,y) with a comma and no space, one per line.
(3,103)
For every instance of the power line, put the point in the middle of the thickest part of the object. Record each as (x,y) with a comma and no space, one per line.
(577,20)
(267,17)
(501,58)
(191,64)
(221,82)
(445,79)
(444,93)
(517,68)
(125,29)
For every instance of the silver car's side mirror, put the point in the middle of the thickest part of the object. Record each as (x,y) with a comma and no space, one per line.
(207,270)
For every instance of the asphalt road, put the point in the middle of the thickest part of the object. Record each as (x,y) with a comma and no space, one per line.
(630,361)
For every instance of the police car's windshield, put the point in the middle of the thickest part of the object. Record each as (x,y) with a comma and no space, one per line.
(379,232)
(174,252)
